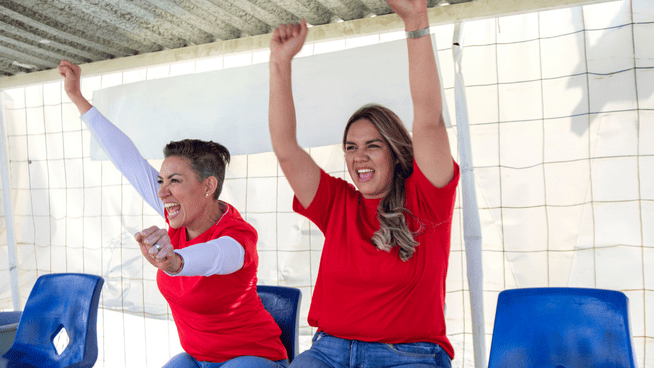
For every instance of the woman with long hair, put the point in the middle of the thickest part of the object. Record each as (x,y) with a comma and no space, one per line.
(380,291)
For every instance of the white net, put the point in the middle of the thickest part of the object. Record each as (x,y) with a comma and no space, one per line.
(561,112)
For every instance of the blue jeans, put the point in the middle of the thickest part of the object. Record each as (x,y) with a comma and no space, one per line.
(183,360)
(332,352)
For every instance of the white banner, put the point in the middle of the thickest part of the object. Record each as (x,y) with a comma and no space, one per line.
(230,106)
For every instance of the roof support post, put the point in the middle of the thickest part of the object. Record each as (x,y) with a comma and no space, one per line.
(9,212)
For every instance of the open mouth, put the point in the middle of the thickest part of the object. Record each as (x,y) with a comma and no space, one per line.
(172,209)
(365,174)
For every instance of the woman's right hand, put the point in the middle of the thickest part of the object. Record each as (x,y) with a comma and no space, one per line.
(287,41)
(156,248)
(72,74)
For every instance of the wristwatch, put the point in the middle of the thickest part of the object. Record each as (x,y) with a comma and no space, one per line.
(417,34)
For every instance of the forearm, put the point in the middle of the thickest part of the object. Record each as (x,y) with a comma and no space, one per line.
(126,157)
(431,146)
(423,75)
(299,168)
(82,104)
(220,256)
(281,112)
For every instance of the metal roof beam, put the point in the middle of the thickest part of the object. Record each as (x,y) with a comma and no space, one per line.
(478,9)
(166,22)
(22,17)
(80,16)
(267,11)
(346,9)
(226,12)
(8,67)
(72,17)
(137,30)
(378,7)
(201,14)
(15,33)
(314,12)
(37,63)
(37,49)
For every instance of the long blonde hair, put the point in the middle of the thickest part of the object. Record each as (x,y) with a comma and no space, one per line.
(393,229)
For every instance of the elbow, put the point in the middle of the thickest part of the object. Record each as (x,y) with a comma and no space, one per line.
(284,157)
(430,115)
(429,123)
(285,149)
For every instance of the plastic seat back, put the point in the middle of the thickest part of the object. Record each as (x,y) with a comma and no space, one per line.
(8,326)
(562,328)
(283,303)
(58,302)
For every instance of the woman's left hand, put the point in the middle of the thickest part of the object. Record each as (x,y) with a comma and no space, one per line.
(411,11)
(157,249)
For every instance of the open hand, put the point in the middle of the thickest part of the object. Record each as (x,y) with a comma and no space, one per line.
(160,255)
(287,41)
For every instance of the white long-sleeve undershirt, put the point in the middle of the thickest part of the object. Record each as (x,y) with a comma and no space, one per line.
(227,253)
(219,256)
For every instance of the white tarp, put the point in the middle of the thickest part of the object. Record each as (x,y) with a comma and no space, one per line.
(230,106)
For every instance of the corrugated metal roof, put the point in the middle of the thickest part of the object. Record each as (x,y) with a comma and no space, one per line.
(36,34)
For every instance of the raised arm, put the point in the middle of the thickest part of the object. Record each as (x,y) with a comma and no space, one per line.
(299,168)
(431,146)
(114,142)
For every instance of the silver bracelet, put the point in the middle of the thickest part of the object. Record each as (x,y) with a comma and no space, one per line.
(417,34)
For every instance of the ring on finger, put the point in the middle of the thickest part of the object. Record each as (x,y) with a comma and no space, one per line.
(157,246)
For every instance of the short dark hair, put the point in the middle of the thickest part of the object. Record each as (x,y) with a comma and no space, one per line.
(206,158)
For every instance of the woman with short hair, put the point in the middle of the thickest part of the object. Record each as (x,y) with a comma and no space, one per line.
(207,259)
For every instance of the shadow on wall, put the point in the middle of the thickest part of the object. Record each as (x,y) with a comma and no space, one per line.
(609,72)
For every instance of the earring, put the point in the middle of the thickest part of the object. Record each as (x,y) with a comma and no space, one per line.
(206,195)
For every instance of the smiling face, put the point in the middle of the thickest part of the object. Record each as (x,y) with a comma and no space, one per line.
(183,195)
(369,159)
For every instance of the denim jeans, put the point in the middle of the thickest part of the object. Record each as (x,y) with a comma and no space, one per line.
(183,360)
(332,352)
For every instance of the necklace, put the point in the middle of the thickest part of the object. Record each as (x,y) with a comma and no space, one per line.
(224,210)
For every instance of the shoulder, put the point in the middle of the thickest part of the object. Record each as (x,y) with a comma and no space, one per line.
(330,189)
(418,179)
(331,181)
(425,200)
(335,184)
(336,189)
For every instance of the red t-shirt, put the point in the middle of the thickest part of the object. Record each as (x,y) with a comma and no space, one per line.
(221,317)
(367,294)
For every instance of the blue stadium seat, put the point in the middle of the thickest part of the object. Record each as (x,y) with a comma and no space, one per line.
(58,302)
(562,328)
(283,303)
(8,326)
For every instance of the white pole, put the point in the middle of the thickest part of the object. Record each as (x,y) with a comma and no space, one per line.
(471,224)
(9,212)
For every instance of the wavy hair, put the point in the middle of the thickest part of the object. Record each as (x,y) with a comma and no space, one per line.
(206,159)
(393,229)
